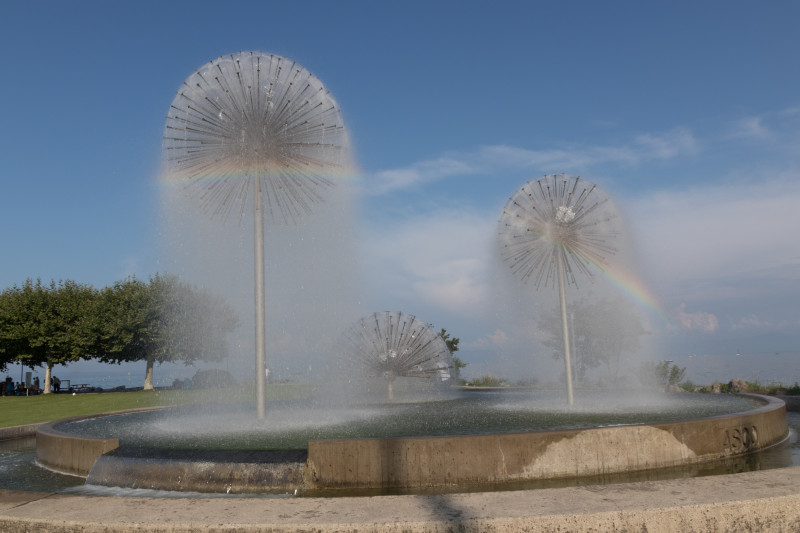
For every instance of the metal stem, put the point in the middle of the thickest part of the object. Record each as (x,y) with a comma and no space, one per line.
(260,303)
(563,297)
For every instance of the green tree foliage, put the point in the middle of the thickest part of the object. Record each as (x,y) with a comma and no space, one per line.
(48,325)
(452,344)
(665,375)
(165,320)
(601,331)
(487,381)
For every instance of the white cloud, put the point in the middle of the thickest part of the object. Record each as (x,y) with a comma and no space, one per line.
(496,339)
(750,321)
(790,112)
(724,231)
(698,321)
(667,145)
(405,178)
(750,128)
(493,158)
(440,259)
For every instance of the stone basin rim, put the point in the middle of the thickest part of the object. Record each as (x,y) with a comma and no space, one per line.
(439,461)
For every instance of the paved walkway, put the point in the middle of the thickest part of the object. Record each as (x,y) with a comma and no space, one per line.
(767,500)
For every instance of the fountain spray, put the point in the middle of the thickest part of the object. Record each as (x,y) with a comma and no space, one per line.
(260,125)
(553,227)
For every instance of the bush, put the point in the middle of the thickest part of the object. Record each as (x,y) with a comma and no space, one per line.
(665,375)
(486,381)
(213,378)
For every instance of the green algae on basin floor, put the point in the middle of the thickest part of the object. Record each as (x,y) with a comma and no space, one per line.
(290,424)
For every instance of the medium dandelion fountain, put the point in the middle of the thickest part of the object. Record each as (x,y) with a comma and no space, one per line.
(552,228)
(392,345)
(255,127)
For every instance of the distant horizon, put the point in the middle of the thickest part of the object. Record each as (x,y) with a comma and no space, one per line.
(704,369)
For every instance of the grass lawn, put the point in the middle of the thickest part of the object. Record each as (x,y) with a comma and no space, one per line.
(21,410)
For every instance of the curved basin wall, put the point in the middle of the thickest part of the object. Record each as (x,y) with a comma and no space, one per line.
(481,459)
(68,453)
(424,462)
(73,454)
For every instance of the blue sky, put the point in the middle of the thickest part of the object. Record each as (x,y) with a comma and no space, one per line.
(686,113)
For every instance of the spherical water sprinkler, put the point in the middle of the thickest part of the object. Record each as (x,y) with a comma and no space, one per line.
(552,228)
(255,127)
(392,345)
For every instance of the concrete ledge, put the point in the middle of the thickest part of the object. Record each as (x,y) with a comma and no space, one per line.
(72,454)
(18,432)
(68,453)
(767,500)
(428,462)
(223,471)
(792,402)
(495,459)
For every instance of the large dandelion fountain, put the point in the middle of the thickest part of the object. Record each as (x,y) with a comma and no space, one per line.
(392,345)
(255,127)
(554,228)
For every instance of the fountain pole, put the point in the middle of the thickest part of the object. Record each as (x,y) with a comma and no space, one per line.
(562,293)
(260,304)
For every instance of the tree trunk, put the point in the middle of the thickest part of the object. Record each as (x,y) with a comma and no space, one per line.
(148,377)
(48,376)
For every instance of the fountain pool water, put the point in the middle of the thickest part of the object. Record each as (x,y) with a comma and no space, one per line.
(291,424)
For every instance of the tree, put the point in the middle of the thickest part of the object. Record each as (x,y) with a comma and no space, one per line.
(664,374)
(166,320)
(130,319)
(11,328)
(602,330)
(452,345)
(10,338)
(48,325)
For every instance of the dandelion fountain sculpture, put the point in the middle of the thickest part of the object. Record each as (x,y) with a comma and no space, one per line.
(259,127)
(392,345)
(553,227)
(255,126)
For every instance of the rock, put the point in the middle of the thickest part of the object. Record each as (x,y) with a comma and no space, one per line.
(716,388)
(737,385)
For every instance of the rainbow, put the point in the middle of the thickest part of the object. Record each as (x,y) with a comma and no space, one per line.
(634,288)
(181,178)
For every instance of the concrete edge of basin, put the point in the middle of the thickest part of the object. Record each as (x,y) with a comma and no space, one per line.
(441,462)
(424,462)
(73,454)
(19,432)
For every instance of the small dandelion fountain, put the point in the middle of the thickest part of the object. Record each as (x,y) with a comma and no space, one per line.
(553,228)
(392,345)
(259,126)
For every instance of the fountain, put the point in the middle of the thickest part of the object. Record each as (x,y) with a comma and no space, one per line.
(260,126)
(395,345)
(257,127)
(553,227)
